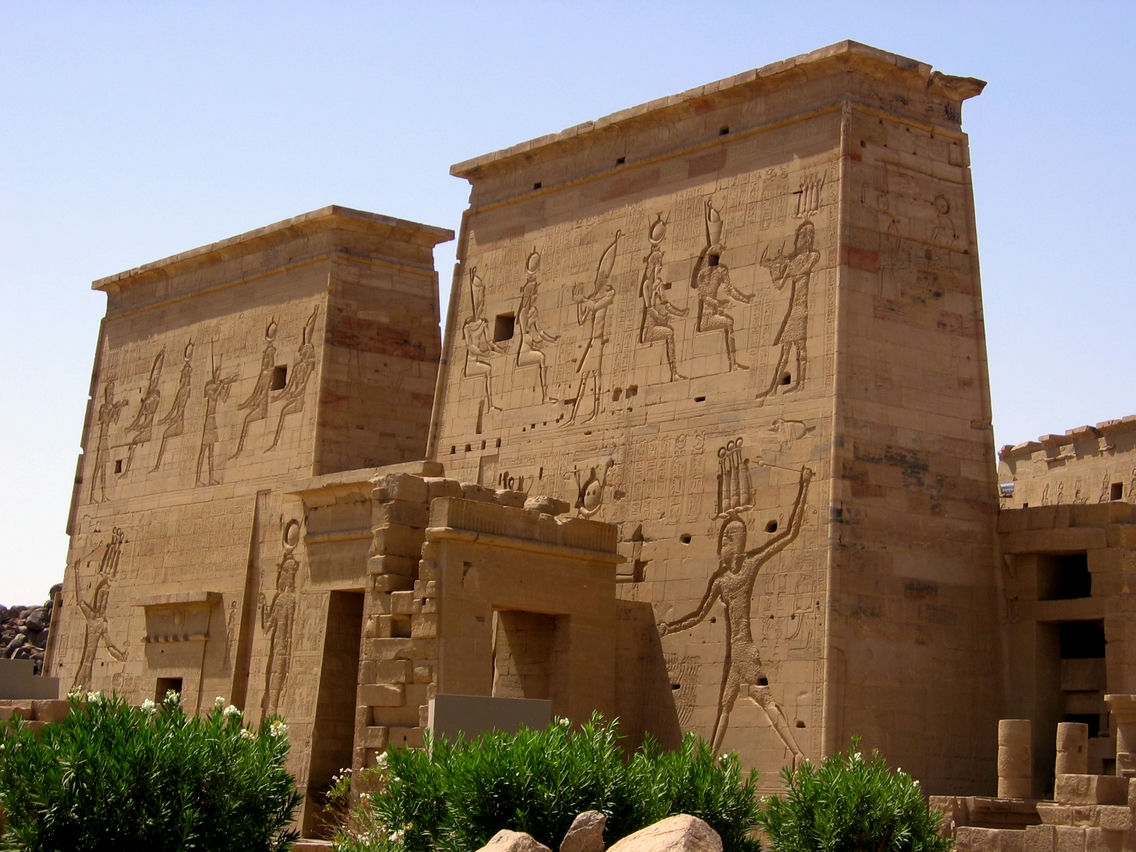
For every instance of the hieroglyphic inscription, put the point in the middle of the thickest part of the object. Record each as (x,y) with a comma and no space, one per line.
(479,345)
(257,402)
(109,412)
(732,585)
(711,278)
(591,310)
(657,309)
(143,423)
(295,389)
(216,391)
(796,269)
(277,618)
(174,419)
(94,606)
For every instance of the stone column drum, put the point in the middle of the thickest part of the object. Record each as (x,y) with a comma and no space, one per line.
(1072,749)
(1015,759)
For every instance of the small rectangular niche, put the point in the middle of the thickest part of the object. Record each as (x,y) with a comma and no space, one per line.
(1116,491)
(164,685)
(279,376)
(1063,576)
(504,327)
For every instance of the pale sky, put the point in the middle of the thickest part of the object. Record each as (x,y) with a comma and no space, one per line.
(133,131)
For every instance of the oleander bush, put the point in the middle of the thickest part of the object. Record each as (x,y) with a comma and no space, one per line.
(849,802)
(115,777)
(455,796)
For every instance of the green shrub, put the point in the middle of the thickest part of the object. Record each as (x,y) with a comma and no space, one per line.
(851,803)
(115,777)
(453,797)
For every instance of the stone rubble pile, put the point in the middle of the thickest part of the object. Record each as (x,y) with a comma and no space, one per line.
(24,630)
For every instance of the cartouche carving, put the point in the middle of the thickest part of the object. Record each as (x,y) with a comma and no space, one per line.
(530,349)
(257,403)
(732,585)
(657,309)
(216,390)
(592,308)
(808,196)
(174,419)
(479,345)
(278,619)
(109,413)
(295,389)
(796,268)
(94,611)
(143,424)
(711,278)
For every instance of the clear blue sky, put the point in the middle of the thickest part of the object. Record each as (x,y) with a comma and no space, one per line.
(133,131)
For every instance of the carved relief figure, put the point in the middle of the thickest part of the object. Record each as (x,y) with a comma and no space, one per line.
(531,347)
(657,310)
(479,346)
(174,419)
(109,413)
(589,497)
(216,390)
(143,423)
(294,391)
(278,619)
(796,268)
(94,611)
(257,403)
(711,279)
(732,585)
(592,308)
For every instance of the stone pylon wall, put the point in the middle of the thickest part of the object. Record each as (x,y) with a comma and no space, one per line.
(744,325)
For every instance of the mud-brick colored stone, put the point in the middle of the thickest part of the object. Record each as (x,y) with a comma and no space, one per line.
(976,839)
(426,588)
(406,737)
(424,626)
(23,709)
(1091,790)
(394,626)
(1039,838)
(388,649)
(423,673)
(1070,838)
(404,486)
(382,694)
(1114,818)
(479,493)
(398,541)
(51,710)
(391,583)
(389,563)
(1052,813)
(402,603)
(393,671)
(392,513)
(516,499)
(1104,840)
(373,736)
(439,486)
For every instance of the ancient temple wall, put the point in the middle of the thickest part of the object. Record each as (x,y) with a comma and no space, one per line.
(743,324)
(223,377)
(915,652)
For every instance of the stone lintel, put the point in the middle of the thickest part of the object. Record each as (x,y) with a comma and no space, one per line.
(181,600)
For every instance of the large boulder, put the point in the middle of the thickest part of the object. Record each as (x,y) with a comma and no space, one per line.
(682,833)
(585,833)
(513,841)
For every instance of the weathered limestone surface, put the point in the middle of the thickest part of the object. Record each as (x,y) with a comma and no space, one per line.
(222,376)
(744,325)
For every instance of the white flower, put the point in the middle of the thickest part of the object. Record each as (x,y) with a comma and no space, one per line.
(219,701)
(149,707)
(381,760)
(563,721)
(246,734)
(95,697)
(277,728)
(397,834)
(231,711)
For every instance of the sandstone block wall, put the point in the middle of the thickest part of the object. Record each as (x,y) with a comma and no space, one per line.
(744,325)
